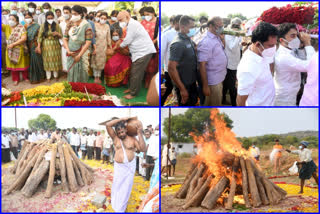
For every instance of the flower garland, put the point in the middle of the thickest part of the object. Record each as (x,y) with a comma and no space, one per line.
(15,96)
(44,90)
(92,88)
(89,103)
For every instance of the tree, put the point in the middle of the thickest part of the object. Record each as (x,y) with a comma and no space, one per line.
(124,5)
(43,121)
(239,15)
(193,120)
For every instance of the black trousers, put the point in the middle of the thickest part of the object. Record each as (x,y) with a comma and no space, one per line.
(98,153)
(149,170)
(14,150)
(75,149)
(90,152)
(193,95)
(84,153)
(137,164)
(169,87)
(229,84)
(5,154)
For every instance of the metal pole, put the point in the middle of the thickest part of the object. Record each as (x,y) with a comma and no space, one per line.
(169,133)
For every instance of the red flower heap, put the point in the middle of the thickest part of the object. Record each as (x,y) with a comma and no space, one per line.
(300,15)
(15,96)
(92,88)
(89,103)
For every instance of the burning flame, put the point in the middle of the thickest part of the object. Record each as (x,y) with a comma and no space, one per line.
(217,150)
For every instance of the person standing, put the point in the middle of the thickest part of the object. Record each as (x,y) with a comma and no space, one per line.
(14,144)
(36,70)
(91,140)
(41,135)
(213,62)
(233,52)
(173,158)
(83,147)
(103,38)
(63,26)
(255,152)
(32,137)
(99,145)
(114,19)
(49,46)
(107,149)
(5,147)
(182,66)
(32,9)
(56,136)
(141,48)
(255,82)
(42,17)
(75,140)
(308,167)
(276,155)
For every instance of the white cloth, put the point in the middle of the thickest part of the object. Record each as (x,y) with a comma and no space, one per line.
(273,154)
(91,139)
(63,26)
(41,136)
(304,155)
(255,152)
(164,156)
(232,50)
(142,171)
(5,140)
(107,143)
(75,139)
(294,169)
(83,140)
(287,77)
(138,41)
(173,155)
(32,137)
(122,182)
(255,79)
(166,39)
(153,149)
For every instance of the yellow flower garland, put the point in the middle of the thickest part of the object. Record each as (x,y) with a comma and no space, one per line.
(44,90)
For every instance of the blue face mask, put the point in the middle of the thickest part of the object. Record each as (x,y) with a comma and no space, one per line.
(192,32)
(143,17)
(13,12)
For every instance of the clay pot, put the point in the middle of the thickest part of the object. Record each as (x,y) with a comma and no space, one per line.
(132,126)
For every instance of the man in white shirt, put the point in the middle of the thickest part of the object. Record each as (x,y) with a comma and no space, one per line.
(152,152)
(288,66)
(33,136)
(63,26)
(83,147)
(308,167)
(41,135)
(141,48)
(107,152)
(255,152)
(5,147)
(75,140)
(255,82)
(91,139)
(232,50)
(166,39)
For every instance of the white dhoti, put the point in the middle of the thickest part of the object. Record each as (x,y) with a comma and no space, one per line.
(122,183)
(142,171)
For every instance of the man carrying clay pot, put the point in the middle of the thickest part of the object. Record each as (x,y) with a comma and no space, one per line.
(124,160)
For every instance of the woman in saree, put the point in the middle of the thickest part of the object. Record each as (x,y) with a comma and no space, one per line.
(77,40)
(117,68)
(49,46)
(36,70)
(151,24)
(17,58)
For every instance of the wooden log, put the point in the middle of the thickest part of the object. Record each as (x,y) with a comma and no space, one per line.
(78,175)
(200,183)
(245,183)
(39,159)
(193,166)
(23,157)
(233,183)
(214,193)
(34,180)
(197,198)
(87,167)
(23,150)
(20,181)
(262,192)
(184,188)
(63,172)
(52,171)
(194,181)
(70,171)
(255,197)
(34,150)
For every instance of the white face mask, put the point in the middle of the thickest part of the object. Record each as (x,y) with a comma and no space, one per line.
(122,24)
(115,38)
(148,18)
(66,16)
(97,19)
(293,44)
(102,21)
(12,23)
(45,10)
(156,132)
(268,53)
(75,18)
(300,147)
(31,9)
(38,12)
(50,21)
(28,21)
(114,19)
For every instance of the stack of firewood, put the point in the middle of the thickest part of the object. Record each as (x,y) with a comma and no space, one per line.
(45,162)
(202,188)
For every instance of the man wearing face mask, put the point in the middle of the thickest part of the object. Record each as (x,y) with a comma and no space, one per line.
(255,82)
(63,25)
(141,48)
(307,167)
(213,62)
(32,9)
(166,39)
(42,17)
(288,66)
(182,66)
(38,11)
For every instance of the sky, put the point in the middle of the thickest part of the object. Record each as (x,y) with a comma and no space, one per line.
(222,9)
(78,117)
(249,122)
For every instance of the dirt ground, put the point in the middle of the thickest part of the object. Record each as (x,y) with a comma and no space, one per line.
(309,201)
(79,201)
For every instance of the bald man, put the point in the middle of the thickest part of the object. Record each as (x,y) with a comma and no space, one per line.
(141,48)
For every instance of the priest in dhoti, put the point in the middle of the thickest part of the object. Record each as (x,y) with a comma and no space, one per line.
(124,161)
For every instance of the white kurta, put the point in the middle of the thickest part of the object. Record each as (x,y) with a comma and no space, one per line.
(63,26)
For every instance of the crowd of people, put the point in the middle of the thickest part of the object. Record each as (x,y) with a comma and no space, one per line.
(40,42)
(266,66)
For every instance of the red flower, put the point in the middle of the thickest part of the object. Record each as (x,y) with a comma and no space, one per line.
(92,88)
(15,96)
(89,103)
